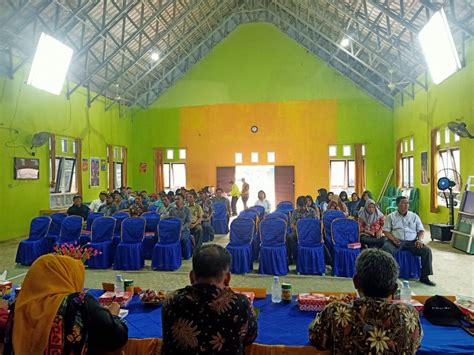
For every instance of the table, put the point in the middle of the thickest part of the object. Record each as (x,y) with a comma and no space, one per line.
(280,324)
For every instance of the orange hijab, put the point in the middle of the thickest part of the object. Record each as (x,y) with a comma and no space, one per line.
(48,281)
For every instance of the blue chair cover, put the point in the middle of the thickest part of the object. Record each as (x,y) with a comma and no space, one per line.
(277,214)
(33,247)
(129,253)
(119,218)
(273,250)
(285,205)
(310,256)
(260,210)
(328,217)
(167,252)
(101,240)
(86,233)
(410,265)
(71,229)
(152,208)
(54,230)
(151,233)
(344,231)
(207,231)
(253,215)
(242,231)
(220,221)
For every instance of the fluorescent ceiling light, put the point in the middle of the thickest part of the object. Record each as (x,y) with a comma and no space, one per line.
(154,56)
(50,64)
(345,42)
(438,48)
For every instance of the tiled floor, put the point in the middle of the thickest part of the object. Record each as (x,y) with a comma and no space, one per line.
(454,274)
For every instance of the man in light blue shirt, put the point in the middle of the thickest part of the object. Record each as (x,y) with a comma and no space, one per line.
(404,231)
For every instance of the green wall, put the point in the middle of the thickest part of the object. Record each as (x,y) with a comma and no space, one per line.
(258,63)
(452,99)
(29,110)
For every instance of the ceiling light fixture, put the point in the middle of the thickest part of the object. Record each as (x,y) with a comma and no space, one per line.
(154,56)
(345,42)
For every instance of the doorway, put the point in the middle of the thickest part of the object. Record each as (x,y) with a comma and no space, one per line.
(261,177)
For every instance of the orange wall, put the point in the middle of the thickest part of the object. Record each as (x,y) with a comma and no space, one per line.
(299,133)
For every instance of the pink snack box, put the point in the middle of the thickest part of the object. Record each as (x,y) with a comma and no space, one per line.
(354,245)
(122,298)
(312,302)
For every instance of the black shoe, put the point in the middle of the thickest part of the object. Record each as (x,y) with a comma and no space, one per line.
(427,281)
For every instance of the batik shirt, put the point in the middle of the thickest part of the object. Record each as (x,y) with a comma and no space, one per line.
(206,206)
(298,214)
(204,319)
(184,214)
(368,326)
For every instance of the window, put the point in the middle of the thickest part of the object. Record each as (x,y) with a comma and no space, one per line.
(438,138)
(342,175)
(238,158)
(73,147)
(65,176)
(174,175)
(346,150)
(271,157)
(254,157)
(118,175)
(332,150)
(447,134)
(169,154)
(411,144)
(448,164)
(407,171)
(182,154)
(363,150)
(64,145)
(456,137)
(117,153)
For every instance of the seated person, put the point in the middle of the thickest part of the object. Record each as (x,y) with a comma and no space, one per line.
(302,211)
(371,222)
(206,205)
(404,231)
(219,198)
(322,200)
(343,197)
(208,317)
(310,204)
(180,211)
(77,208)
(145,198)
(137,208)
(109,208)
(195,227)
(353,204)
(165,206)
(341,206)
(262,201)
(95,205)
(372,323)
(120,203)
(363,199)
(52,314)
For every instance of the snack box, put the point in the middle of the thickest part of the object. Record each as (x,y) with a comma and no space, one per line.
(5,288)
(416,304)
(250,296)
(312,302)
(122,298)
(466,305)
(354,246)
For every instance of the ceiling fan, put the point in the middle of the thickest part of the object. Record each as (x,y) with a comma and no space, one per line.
(392,84)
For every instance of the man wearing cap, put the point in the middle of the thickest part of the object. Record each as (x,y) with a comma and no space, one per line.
(404,231)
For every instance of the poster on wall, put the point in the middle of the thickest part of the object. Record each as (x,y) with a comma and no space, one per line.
(85,164)
(424,168)
(95,172)
(142,167)
(103,165)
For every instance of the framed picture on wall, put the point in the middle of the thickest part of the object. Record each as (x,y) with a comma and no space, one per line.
(85,164)
(424,168)
(142,168)
(103,165)
(95,178)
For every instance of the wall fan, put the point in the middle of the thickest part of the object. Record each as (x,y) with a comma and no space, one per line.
(460,129)
(39,139)
(449,179)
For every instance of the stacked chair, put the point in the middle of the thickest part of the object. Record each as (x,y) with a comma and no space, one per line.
(86,233)
(273,258)
(167,252)
(220,220)
(71,228)
(242,231)
(54,230)
(102,232)
(33,247)
(151,233)
(129,253)
(310,258)
(344,231)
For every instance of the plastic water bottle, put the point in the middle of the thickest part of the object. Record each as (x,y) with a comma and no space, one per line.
(405,292)
(276,290)
(119,286)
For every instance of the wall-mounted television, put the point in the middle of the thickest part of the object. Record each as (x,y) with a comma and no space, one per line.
(25,169)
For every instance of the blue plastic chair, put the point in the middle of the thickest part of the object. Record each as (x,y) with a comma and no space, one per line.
(242,231)
(167,252)
(273,249)
(328,217)
(253,215)
(86,233)
(101,240)
(310,257)
(260,210)
(54,230)
(220,221)
(344,231)
(285,205)
(119,218)
(71,229)
(33,247)
(152,208)
(276,215)
(410,265)
(151,233)
(129,253)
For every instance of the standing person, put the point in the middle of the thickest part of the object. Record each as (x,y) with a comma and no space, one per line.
(235,194)
(77,208)
(195,227)
(206,205)
(245,193)
(52,314)
(371,222)
(262,201)
(179,210)
(109,208)
(207,317)
(95,205)
(371,324)
(404,231)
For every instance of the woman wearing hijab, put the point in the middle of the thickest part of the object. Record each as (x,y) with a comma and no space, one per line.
(353,204)
(53,315)
(366,195)
(343,197)
(322,200)
(371,222)
(310,204)
(341,206)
